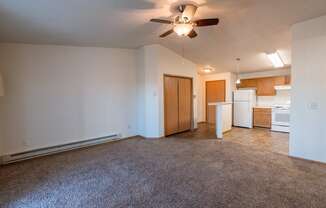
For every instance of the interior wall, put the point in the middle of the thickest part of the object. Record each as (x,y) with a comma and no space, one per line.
(157,61)
(148,101)
(61,94)
(230,86)
(308,132)
(282,97)
(201,99)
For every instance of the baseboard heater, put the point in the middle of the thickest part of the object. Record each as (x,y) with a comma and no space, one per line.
(6,159)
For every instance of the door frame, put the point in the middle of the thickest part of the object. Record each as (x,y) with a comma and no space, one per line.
(191,102)
(206,103)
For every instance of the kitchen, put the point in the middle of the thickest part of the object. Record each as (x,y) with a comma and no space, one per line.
(263,102)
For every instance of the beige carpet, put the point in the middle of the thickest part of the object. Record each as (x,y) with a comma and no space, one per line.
(189,170)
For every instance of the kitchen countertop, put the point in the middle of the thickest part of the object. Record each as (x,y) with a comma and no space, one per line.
(220,103)
(263,107)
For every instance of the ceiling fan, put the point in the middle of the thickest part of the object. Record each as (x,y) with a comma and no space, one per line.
(183,24)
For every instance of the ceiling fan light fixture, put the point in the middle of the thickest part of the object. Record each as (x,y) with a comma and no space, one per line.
(183,24)
(188,12)
(183,29)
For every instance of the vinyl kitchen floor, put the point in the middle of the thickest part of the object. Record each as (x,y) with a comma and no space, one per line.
(259,138)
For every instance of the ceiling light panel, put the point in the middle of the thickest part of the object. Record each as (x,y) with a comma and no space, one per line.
(275,60)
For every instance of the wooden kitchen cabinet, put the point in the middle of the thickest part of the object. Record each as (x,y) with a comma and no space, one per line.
(248,83)
(263,117)
(265,86)
(288,80)
(282,80)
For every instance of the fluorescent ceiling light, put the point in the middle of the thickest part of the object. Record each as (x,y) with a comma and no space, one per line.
(275,59)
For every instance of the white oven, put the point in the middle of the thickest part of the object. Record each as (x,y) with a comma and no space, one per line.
(281,118)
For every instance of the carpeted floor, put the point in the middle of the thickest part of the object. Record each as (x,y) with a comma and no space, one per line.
(188,170)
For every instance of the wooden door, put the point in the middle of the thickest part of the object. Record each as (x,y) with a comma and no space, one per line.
(177,104)
(171,105)
(185,105)
(215,92)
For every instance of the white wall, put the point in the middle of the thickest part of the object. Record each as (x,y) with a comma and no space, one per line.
(282,97)
(157,61)
(308,132)
(230,86)
(148,101)
(58,94)
(61,94)
(201,96)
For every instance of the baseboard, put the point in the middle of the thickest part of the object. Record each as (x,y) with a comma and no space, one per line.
(16,157)
(307,160)
(153,138)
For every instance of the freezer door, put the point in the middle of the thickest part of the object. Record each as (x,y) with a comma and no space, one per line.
(241,95)
(242,114)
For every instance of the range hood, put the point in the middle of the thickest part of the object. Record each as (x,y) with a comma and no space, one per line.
(282,87)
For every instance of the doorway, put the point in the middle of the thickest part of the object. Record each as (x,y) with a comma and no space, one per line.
(215,92)
(178,110)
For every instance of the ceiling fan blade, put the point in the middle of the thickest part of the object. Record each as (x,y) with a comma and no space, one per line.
(192,34)
(161,21)
(166,33)
(206,22)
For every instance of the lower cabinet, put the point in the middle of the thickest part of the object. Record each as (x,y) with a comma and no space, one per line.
(263,117)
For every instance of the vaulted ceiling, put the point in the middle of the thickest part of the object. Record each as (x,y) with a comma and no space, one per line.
(247,28)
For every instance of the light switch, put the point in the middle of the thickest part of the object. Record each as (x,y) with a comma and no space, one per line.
(313,106)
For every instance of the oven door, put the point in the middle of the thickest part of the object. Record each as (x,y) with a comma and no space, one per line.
(281,117)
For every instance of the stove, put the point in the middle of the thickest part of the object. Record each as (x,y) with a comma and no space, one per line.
(281,118)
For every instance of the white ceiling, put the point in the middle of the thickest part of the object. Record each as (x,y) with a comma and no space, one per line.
(247,28)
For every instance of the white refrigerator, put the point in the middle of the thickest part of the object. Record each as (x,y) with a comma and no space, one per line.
(243,103)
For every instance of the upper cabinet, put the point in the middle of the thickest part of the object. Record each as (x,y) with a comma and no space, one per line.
(265,86)
(248,83)
(288,80)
